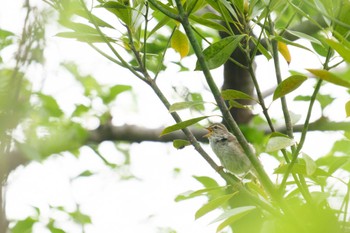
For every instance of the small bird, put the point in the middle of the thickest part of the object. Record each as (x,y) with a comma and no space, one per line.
(228,150)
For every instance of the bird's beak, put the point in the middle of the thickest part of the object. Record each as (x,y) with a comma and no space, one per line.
(209,133)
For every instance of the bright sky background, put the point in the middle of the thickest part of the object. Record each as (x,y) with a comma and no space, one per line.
(135,205)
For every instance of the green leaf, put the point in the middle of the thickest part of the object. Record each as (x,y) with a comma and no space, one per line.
(183,105)
(24,226)
(347,108)
(191,194)
(232,215)
(343,51)
(180,144)
(179,42)
(276,143)
(310,165)
(114,91)
(80,218)
(85,173)
(50,105)
(213,204)
(218,53)
(84,37)
(304,36)
(121,11)
(330,77)
(288,85)
(300,169)
(209,23)
(235,104)
(206,181)
(182,125)
(230,94)
(324,100)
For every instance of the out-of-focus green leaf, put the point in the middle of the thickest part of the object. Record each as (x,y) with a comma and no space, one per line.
(24,226)
(343,51)
(330,77)
(50,105)
(218,53)
(288,85)
(80,218)
(182,125)
(278,141)
(96,19)
(121,11)
(300,169)
(302,35)
(84,37)
(180,144)
(191,194)
(183,105)
(179,42)
(310,164)
(324,100)
(347,108)
(115,91)
(232,215)
(53,228)
(85,173)
(213,204)
(206,181)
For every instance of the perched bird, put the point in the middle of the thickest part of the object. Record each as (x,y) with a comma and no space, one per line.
(228,150)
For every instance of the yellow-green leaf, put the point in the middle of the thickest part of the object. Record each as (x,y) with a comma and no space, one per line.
(183,105)
(232,215)
(180,144)
(182,125)
(330,77)
(300,169)
(347,108)
(180,43)
(278,143)
(343,51)
(283,49)
(310,165)
(213,204)
(288,85)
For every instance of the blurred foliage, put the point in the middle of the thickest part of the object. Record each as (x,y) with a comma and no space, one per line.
(138,39)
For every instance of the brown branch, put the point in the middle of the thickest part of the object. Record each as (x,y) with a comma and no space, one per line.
(134,133)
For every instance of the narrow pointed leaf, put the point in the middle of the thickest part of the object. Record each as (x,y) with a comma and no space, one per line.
(218,53)
(212,205)
(288,85)
(183,105)
(180,43)
(330,77)
(182,125)
(283,49)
